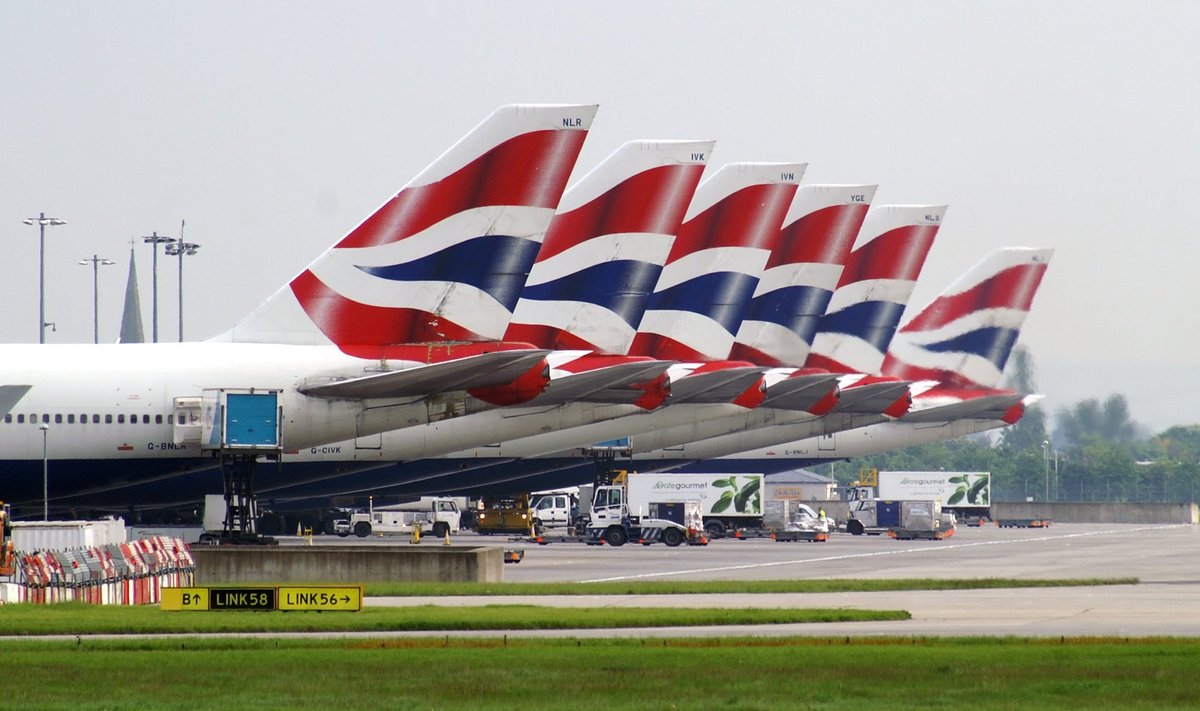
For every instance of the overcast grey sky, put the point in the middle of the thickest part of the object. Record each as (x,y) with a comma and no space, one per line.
(274,127)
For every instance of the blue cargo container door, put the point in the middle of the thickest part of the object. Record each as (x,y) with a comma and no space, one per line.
(887,514)
(252,420)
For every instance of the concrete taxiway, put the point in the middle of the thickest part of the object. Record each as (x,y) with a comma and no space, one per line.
(1164,558)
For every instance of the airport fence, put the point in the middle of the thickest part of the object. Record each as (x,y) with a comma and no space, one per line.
(132,573)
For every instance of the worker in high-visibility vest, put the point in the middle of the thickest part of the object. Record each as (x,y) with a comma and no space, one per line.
(7,552)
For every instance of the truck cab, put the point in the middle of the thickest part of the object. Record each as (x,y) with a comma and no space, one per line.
(610,520)
(555,509)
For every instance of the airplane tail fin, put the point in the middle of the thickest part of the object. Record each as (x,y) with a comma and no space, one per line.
(720,251)
(445,258)
(964,337)
(874,288)
(801,274)
(606,246)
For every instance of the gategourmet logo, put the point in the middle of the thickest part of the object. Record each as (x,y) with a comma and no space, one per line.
(680,485)
(912,481)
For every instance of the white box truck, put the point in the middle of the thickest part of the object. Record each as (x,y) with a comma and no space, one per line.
(727,501)
(966,494)
(437,516)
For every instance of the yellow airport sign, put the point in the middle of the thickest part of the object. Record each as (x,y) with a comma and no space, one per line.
(185,599)
(308,597)
(321,597)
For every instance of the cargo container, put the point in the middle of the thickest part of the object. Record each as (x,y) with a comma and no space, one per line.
(64,535)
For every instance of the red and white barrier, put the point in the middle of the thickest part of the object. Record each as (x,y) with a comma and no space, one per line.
(131,573)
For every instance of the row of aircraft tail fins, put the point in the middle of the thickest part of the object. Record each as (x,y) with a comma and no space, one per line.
(642,284)
(637,264)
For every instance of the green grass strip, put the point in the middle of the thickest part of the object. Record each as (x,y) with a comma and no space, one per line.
(677,587)
(644,674)
(76,618)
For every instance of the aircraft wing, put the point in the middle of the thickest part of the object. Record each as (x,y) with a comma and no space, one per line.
(715,386)
(609,385)
(801,391)
(989,406)
(872,398)
(477,371)
(10,395)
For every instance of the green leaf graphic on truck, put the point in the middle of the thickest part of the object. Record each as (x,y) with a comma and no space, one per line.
(974,492)
(745,498)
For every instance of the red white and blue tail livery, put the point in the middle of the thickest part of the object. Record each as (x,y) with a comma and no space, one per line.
(805,266)
(446,258)
(874,288)
(964,337)
(730,230)
(606,246)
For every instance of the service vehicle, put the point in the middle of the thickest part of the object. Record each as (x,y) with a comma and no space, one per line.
(616,518)
(966,494)
(439,517)
(788,520)
(727,501)
(898,518)
(504,515)
(554,509)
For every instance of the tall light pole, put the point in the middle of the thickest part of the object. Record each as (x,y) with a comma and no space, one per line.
(45,428)
(181,249)
(1046,465)
(1057,481)
(96,263)
(41,221)
(155,239)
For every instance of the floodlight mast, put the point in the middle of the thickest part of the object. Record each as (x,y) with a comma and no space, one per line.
(154,239)
(96,263)
(42,221)
(181,249)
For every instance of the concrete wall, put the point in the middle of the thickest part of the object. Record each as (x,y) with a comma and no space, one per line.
(347,564)
(1072,512)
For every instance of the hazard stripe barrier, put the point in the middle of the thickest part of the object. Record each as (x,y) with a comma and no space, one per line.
(132,573)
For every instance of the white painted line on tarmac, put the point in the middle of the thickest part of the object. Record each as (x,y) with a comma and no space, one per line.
(924,549)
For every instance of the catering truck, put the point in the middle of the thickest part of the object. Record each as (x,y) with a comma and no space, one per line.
(616,516)
(966,494)
(727,501)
